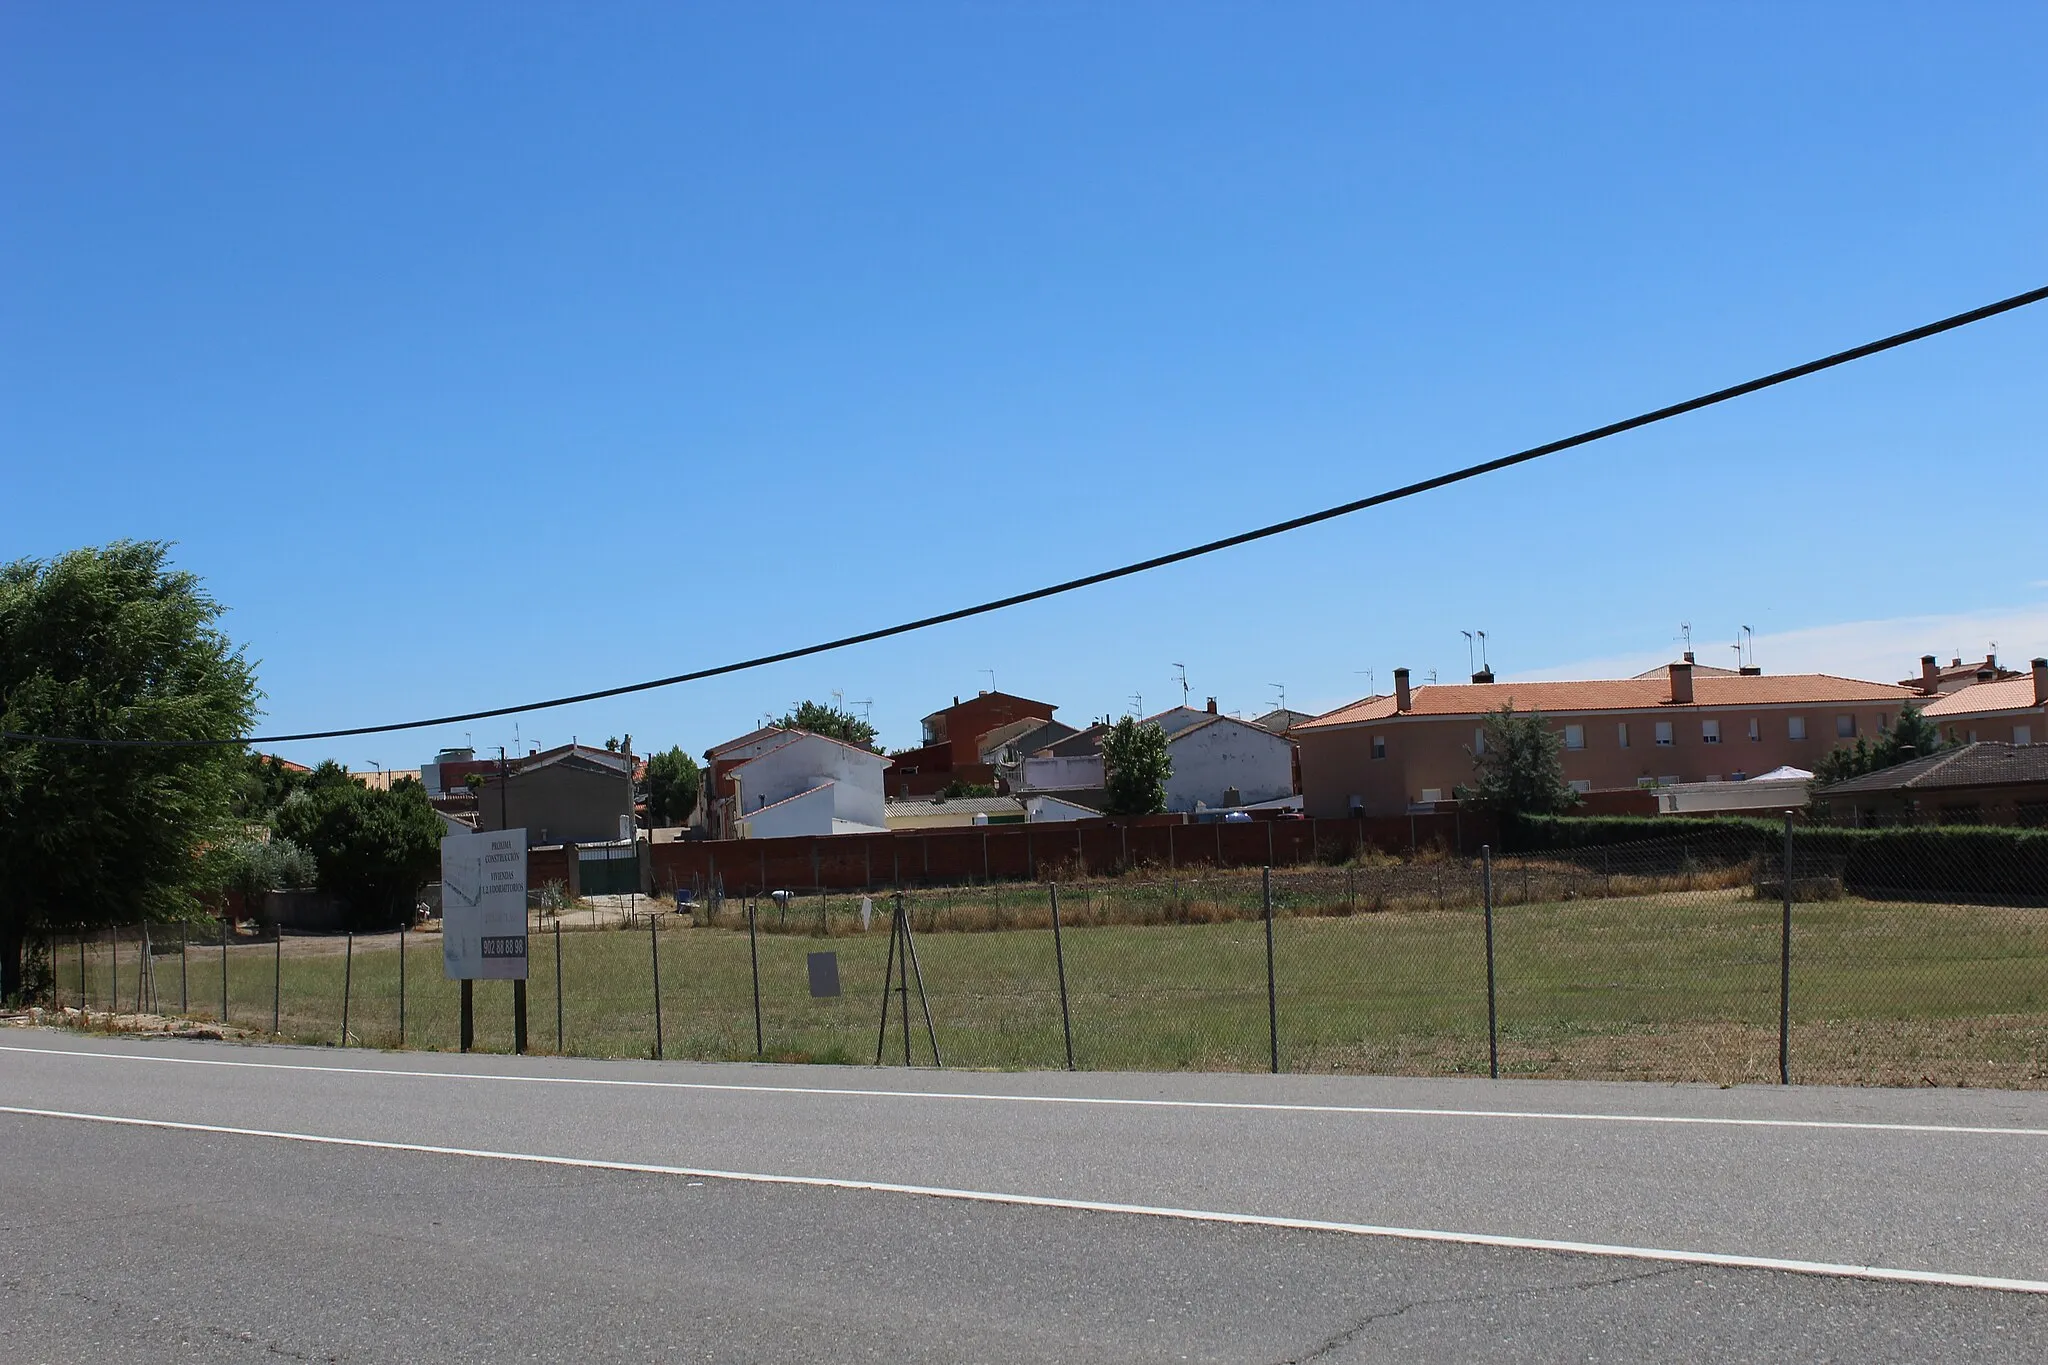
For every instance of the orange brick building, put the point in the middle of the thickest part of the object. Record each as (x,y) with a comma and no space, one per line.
(1384,755)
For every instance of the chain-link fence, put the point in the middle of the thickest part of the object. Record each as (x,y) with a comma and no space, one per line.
(1813,955)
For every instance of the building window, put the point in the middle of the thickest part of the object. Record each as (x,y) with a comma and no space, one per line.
(1884,722)
(1479,740)
(1756,730)
(1664,736)
(1795,727)
(1574,736)
(1845,727)
(1621,732)
(1432,795)
(1738,776)
(2023,734)
(1379,746)
(1581,785)
(1710,732)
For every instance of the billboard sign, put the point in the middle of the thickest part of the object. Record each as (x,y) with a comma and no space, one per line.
(483,906)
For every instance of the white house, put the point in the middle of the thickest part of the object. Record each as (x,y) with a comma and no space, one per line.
(1217,761)
(1224,761)
(809,784)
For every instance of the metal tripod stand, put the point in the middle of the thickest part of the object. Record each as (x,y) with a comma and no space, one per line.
(896,977)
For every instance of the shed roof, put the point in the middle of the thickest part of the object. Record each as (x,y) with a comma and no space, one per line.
(1986,763)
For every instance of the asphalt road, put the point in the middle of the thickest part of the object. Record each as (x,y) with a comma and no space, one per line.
(149,1243)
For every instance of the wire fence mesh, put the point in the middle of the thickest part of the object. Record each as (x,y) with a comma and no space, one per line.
(1713,957)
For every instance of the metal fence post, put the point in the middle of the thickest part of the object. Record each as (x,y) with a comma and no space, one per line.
(223,969)
(114,971)
(401,985)
(1492,1015)
(1059,957)
(560,1047)
(84,1000)
(754,965)
(184,1000)
(1785,967)
(277,981)
(348,974)
(654,956)
(1272,993)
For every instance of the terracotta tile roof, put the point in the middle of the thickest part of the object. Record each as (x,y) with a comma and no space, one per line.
(1617,694)
(2016,694)
(1983,764)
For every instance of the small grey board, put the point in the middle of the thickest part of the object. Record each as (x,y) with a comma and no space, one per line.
(824,975)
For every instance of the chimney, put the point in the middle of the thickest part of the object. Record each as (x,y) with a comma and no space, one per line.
(1681,683)
(1930,674)
(1403,701)
(2041,682)
(1212,706)
(1484,675)
(1688,657)
(1750,671)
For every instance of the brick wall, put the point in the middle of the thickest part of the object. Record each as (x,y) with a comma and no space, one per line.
(1042,852)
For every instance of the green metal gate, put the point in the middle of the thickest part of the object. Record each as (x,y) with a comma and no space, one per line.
(607,871)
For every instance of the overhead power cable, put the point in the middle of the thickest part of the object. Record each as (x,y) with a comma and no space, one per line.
(1705,400)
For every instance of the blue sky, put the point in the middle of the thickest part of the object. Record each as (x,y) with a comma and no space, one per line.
(474,353)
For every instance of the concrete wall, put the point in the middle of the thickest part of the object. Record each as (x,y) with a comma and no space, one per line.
(1059,774)
(1209,760)
(808,813)
(1436,751)
(560,803)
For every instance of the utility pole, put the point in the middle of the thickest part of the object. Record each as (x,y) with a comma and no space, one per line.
(501,786)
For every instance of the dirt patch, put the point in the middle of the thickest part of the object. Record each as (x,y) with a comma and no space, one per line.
(133,1025)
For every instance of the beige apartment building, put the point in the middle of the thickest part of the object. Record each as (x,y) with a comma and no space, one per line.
(2011,710)
(1382,755)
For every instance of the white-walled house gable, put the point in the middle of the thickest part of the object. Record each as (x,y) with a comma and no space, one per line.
(1221,754)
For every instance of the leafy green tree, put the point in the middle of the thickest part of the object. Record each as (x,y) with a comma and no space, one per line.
(253,866)
(266,782)
(960,789)
(1519,769)
(673,784)
(1914,736)
(374,849)
(1135,767)
(110,643)
(831,722)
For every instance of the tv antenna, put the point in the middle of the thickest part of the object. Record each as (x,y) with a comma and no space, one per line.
(867,708)
(1183,683)
(991,677)
(1470,667)
(1372,686)
(1138,702)
(1483,663)
(1281,688)
(1685,634)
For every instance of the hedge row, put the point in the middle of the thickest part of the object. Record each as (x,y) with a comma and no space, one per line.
(1976,862)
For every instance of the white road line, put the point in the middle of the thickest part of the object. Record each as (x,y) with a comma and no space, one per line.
(1255,1106)
(1714,1258)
